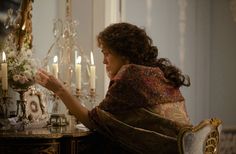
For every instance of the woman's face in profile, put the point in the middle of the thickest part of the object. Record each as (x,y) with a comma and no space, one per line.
(113,62)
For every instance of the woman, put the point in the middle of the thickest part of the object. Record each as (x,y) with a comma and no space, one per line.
(143,109)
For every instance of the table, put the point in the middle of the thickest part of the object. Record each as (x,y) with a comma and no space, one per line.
(53,140)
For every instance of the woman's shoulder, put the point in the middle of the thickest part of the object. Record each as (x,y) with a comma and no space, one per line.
(133,71)
(138,67)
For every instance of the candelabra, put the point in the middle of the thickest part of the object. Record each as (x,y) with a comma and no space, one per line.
(92,98)
(7,122)
(79,95)
(71,66)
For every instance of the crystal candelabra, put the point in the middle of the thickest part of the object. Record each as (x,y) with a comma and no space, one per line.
(92,98)
(87,99)
(65,47)
(66,68)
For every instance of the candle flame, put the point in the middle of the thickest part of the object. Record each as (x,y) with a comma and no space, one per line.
(4,57)
(55,59)
(91,56)
(78,60)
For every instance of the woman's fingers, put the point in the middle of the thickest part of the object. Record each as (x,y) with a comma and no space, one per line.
(48,81)
(43,71)
(42,77)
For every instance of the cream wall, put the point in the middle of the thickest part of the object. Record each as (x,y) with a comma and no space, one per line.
(205,49)
(44,13)
(223,72)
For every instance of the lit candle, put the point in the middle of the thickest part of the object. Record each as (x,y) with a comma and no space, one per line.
(4,72)
(92,72)
(55,67)
(78,72)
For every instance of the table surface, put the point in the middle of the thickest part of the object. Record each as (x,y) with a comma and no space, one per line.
(49,132)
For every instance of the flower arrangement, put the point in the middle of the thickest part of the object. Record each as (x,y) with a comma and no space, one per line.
(21,65)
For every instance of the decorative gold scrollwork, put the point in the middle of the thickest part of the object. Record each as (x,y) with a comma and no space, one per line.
(212,142)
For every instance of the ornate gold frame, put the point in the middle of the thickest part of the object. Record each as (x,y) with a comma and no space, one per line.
(211,142)
(22,24)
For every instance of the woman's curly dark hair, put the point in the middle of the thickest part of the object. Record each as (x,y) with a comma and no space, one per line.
(133,43)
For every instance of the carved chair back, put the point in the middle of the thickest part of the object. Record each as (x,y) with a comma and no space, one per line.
(201,139)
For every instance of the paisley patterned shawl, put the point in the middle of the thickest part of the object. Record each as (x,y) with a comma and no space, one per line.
(137,86)
(124,116)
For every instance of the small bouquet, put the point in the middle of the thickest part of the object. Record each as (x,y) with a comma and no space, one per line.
(21,66)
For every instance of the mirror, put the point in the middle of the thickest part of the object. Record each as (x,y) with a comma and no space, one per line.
(15,18)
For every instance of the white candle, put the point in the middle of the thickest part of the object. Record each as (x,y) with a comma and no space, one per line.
(55,67)
(4,72)
(78,72)
(92,72)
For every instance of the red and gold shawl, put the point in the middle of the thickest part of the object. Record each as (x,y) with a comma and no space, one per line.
(127,114)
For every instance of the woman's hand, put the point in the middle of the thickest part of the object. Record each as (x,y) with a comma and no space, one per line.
(48,81)
(72,103)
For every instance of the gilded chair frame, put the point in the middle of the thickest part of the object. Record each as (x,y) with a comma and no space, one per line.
(211,140)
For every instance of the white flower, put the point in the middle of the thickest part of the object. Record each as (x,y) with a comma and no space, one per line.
(27,67)
(28,53)
(21,67)
(28,74)
(16,77)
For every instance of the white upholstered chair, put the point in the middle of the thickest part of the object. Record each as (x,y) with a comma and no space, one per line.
(201,139)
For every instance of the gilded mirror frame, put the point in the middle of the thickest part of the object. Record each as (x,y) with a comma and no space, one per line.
(15,18)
